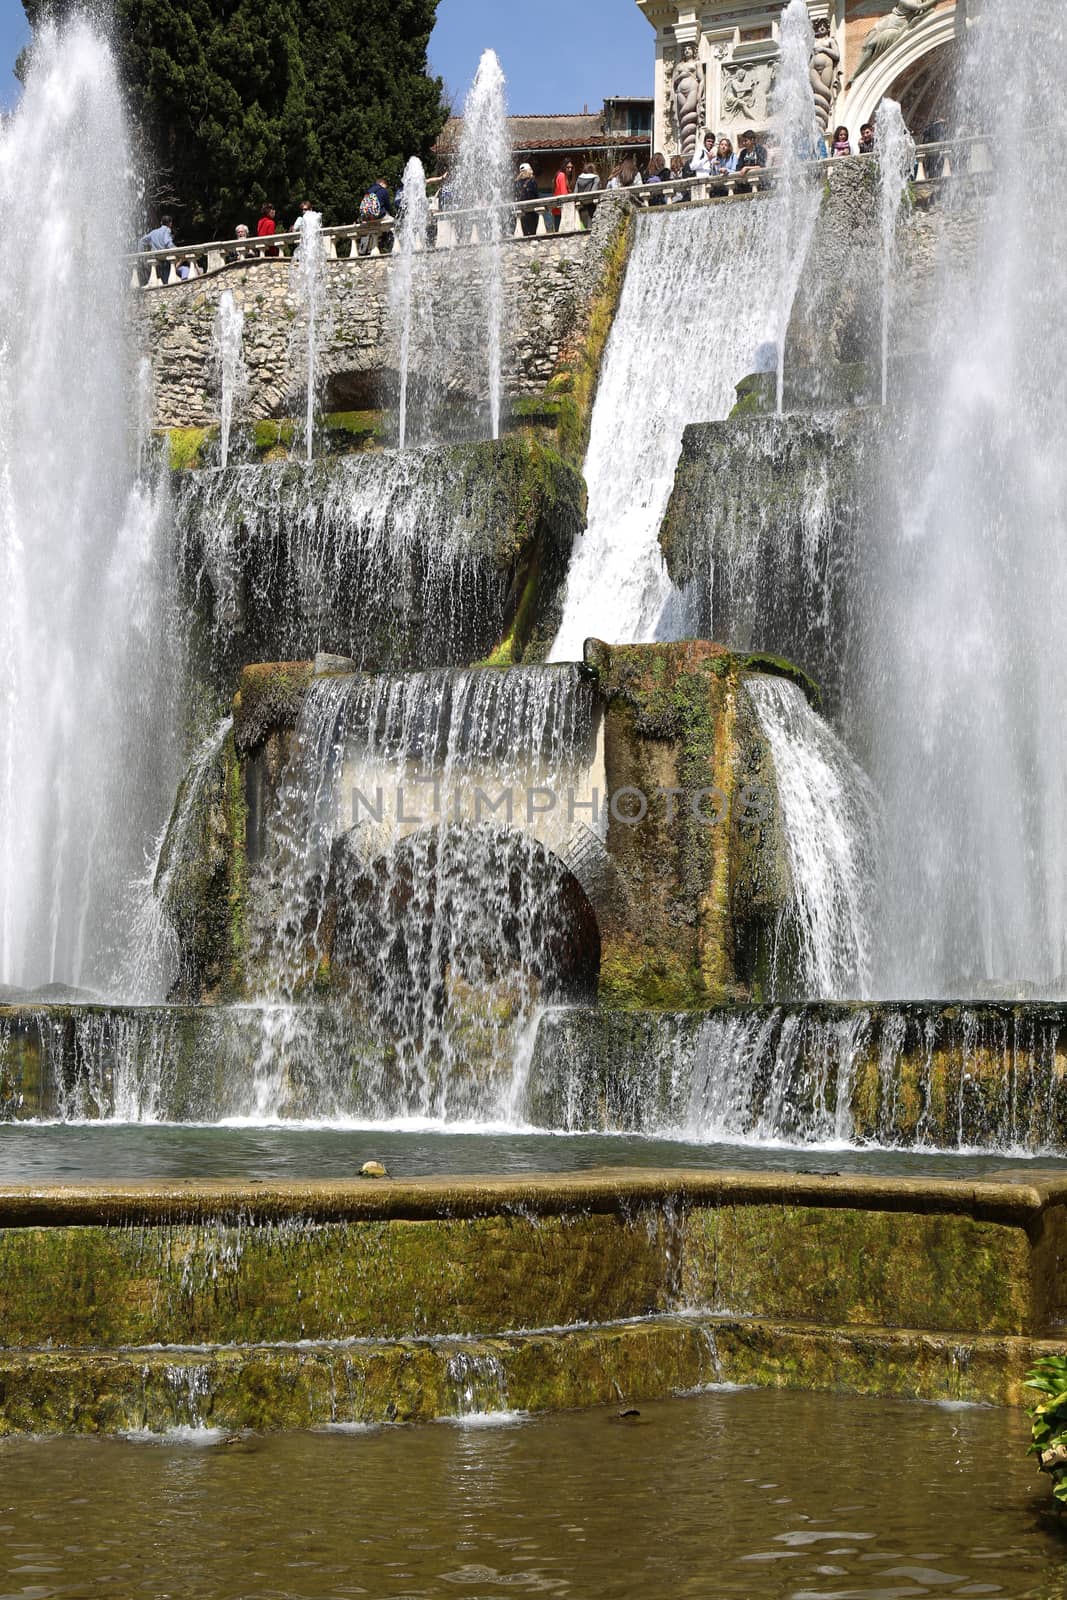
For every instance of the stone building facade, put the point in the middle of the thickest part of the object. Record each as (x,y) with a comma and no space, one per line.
(717,61)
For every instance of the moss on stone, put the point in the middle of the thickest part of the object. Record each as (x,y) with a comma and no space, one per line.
(578,370)
(779,667)
(185,445)
(756,395)
(269,697)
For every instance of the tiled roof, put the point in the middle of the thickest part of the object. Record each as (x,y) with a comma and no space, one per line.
(580,130)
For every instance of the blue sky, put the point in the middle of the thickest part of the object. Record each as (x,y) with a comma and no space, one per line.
(14,33)
(559,55)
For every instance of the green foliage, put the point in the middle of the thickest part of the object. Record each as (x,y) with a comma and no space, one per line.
(1048,1421)
(244,101)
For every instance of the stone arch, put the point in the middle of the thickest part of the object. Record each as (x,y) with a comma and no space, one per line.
(487,899)
(937,34)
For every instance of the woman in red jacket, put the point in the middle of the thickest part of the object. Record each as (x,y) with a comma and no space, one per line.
(267,226)
(564,179)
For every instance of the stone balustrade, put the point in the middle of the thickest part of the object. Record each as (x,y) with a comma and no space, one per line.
(152,269)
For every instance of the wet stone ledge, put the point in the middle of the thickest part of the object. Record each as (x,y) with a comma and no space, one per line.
(266,1388)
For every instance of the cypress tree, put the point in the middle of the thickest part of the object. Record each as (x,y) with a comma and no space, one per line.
(242,101)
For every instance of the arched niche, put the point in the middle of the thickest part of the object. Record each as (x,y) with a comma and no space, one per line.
(912,72)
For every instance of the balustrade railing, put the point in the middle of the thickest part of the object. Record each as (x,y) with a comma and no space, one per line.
(527,219)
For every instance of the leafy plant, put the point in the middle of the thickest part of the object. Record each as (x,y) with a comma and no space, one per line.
(1048,1421)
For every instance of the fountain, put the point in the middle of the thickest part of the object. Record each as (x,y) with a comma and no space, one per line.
(798,202)
(408,294)
(963,676)
(426,902)
(664,372)
(481,182)
(85,656)
(230,366)
(308,285)
(896,163)
(829,819)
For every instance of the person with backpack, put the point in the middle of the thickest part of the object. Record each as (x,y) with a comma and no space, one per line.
(525,190)
(588,182)
(375,206)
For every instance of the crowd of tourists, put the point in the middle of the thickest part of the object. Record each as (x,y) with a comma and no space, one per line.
(716,159)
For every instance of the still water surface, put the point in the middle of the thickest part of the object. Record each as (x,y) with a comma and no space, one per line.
(732,1493)
(94,1152)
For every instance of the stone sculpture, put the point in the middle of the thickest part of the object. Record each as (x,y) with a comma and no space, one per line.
(825,77)
(892,28)
(746,91)
(687,88)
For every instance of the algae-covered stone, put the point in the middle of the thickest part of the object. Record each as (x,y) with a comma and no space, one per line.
(422,559)
(679,742)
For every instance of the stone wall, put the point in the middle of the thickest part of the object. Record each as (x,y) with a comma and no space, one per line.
(549,286)
(547,281)
(292,1305)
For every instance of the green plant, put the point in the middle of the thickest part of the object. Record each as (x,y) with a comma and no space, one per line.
(1048,1421)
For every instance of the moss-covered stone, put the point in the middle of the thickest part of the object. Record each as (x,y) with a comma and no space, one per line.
(673,739)
(435,559)
(650,1282)
(268,700)
(339,433)
(765,530)
(849,1268)
(574,383)
(756,395)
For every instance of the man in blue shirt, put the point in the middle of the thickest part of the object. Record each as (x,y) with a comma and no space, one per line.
(160,238)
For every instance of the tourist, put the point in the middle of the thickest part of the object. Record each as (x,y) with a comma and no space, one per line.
(375,207)
(267,227)
(751,155)
(240,232)
(702,157)
(526,189)
(564,179)
(724,161)
(841,145)
(678,172)
(658,172)
(186,269)
(625,174)
(866,144)
(160,238)
(588,182)
(305,208)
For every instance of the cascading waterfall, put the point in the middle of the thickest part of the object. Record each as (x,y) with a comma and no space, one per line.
(966,678)
(404,823)
(700,297)
(896,162)
(766,531)
(153,960)
(828,813)
(307,287)
(230,369)
(916,1076)
(798,188)
(408,293)
(482,182)
(85,658)
(381,558)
